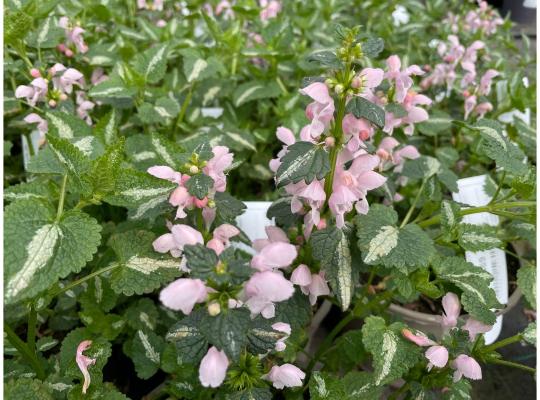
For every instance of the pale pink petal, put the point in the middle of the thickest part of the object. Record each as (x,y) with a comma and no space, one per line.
(224,232)
(419,338)
(301,275)
(373,77)
(83,362)
(213,368)
(183,294)
(285,135)
(164,172)
(286,375)
(275,255)
(466,366)
(475,327)
(186,235)
(276,234)
(452,309)
(318,91)
(164,243)
(437,355)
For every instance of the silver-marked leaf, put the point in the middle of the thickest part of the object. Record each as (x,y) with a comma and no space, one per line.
(529,334)
(438,122)
(325,58)
(152,63)
(303,161)
(39,249)
(478,237)
(47,35)
(106,128)
(423,167)
(392,355)
(145,352)
(526,279)
(138,269)
(199,185)
(478,298)
(113,91)
(66,126)
(190,341)
(255,90)
(373,47)
(363,108)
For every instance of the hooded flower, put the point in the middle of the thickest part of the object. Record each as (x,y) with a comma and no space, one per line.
(452,308)
(264,289)
(274,255)
(437,356)
(175,241)
(37,91)
(320,112)
(283,328)
(83,362)
(401,78)
(73,34)
(217,165)
(286,375)
(183,294)
(213,368)
(270,9)
(301,276)
(317,287)
(286,136)
(475,327)
(418,338)
(274,234)
(34,118)
(221,236)
(357,131)
(69,77)
(466,366)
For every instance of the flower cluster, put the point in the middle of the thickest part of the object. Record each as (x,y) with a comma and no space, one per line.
(485,20)
(460,59)
(437,354)
(74,38)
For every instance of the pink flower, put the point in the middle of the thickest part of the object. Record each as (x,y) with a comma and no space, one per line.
(466,366)
(183,294)
(286,136)
(301,276)
(73,34)
(274,235)
(357,130)
(34,118)
(65,82)
(270,9)
(264,289)
(470,103)
(483,108)
(368,78)
(452,308)
(164,172)
(33,93)
(83,362)
(284,328)
(221,236)
(419,338)
(286,375)
(98,76)
(213,368)
(485,82)
(320,112)
(317,287)
(175,241)
(274,255)
(83,106)
(475,327)
(225,7)
(437,356)
(401,78)
(217,165)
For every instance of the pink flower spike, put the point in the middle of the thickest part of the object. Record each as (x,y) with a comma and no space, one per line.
(419,338)
(83,362)
(475,327)
(437,356)
(286,375)
(183,294)
(452,308)
(213,368)
(466,366)
(185,234)
(301,276)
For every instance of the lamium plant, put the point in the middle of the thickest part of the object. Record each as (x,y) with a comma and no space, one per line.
(126,272)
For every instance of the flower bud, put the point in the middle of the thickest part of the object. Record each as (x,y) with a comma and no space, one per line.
(34,72)
(52,103)
(193,169)
(63,97)
(68,53)
(211,203)
(61,47)
(329,82)
(383,154)
(214,308)
(466,93)
(364,134)
(339,88)
(356,82)
(330,141)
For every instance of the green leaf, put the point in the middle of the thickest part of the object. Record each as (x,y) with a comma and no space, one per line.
(331,247)
(447,156)
(261,336)
(197,68)
(145,351)
(251,394)
(40,188)
(142,314)
(477,298)
(108,326)
(106,128)
(138,268)
(295,311)
(255,90)
(527,137)
(362,108)
(526,280)
(396,109)
(75,161)
(460,390)
(373,47)
(529,334)
(162,112)
(39,249)
(201,260)
(478,237)
(27,389)
(423,167)
(45,162)
(228,331)
(353,386)
(523,230)
(191,343)
(152,63)
(450,216)
(382,242)
(48,35)
(438,122)
(392,355)
(496,146)
(228,207)
(326,58)
(199,185)
(113,91)
(303,161)
(66,126)
(105,170)
(280,211)
(17,24)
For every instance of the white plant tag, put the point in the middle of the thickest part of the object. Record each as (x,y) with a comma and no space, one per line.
(253,221)
(471,192)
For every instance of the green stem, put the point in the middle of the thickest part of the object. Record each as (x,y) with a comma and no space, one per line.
(62,198)
(504,342)
(399,392)
(475,210)
(281,85)
(514,365)
(30,144)
(23,350)
(499,187)
(337,133)
(31,330)
(413,205)
(84,279)
(183,110)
